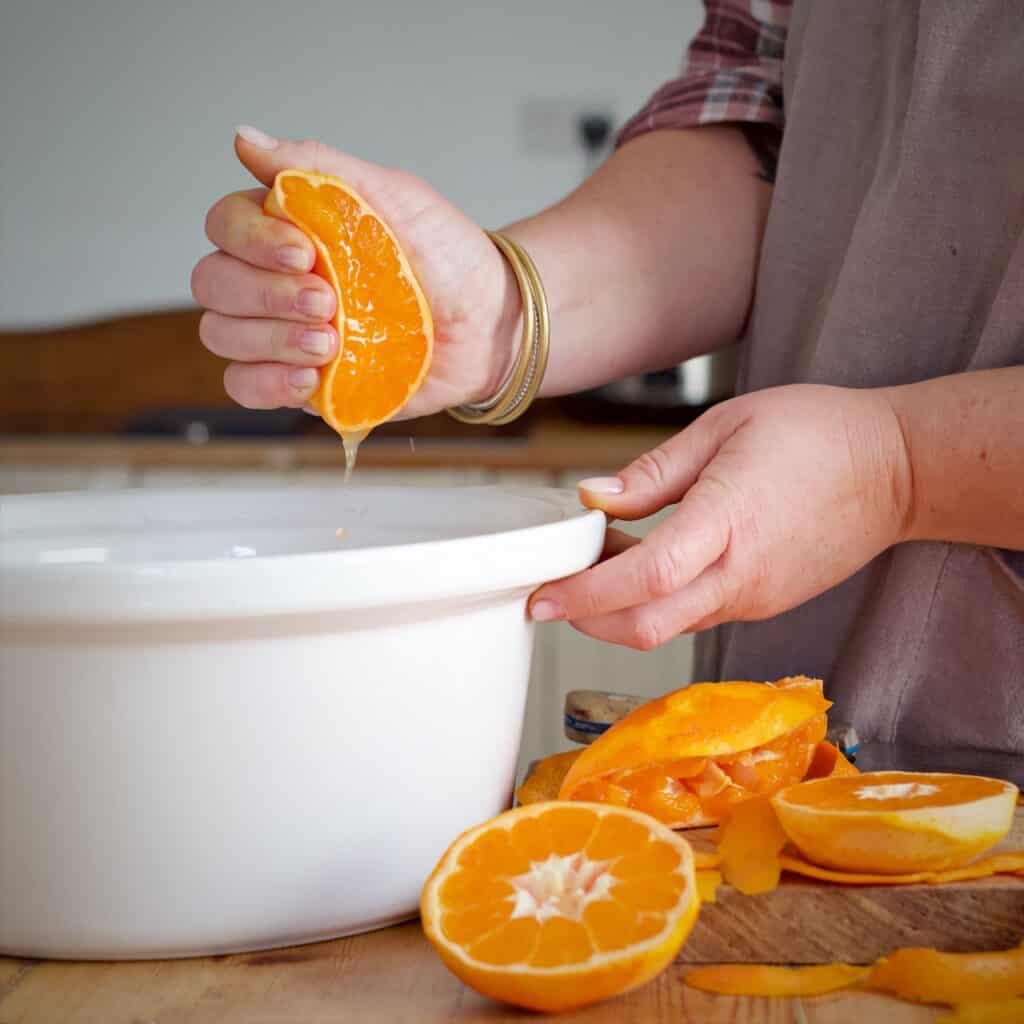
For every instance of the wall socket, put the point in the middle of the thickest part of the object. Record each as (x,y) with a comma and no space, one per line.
(552,126)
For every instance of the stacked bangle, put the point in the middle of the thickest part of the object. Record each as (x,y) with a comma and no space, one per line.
(516,395)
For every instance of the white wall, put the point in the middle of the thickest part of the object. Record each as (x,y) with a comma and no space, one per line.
(116,117)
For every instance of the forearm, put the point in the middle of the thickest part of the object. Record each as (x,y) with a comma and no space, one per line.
(652,260)
(964,456)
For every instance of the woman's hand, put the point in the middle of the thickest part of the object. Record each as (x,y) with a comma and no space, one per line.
(782,494)
(269,315)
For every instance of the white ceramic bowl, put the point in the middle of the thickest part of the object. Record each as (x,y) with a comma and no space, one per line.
(223,728)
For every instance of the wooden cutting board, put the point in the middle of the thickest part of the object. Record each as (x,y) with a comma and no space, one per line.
(805,921)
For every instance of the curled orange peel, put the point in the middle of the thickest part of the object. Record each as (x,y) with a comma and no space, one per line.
(770,980)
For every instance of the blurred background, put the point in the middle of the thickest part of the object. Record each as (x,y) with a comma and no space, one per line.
(118,117)
(117,124)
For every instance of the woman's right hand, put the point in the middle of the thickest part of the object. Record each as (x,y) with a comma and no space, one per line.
(270,315)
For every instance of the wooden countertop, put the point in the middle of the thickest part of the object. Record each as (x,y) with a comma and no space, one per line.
(388,976)
(549,446)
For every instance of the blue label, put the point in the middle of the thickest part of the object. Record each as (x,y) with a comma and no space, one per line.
(583,725)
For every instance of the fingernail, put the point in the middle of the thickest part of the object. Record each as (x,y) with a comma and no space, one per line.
(303,379)
(316,343)
(314,303)
(602,485)
(255,137)
(546,611)
(293,257)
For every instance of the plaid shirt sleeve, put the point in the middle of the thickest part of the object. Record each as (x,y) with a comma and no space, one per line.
(732,73)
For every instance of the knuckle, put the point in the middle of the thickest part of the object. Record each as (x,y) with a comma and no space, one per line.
(646,633)
(654,466)
(663,572)
(311,152)
(270,299)
(283,338)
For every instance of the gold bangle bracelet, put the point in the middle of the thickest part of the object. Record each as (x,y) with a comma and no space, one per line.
(516,395)
(537,362)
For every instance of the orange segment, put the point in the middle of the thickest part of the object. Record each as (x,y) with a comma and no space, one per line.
(896,822)
(928,976)
(765,980)
(688,757)
(383,320)
(553,905)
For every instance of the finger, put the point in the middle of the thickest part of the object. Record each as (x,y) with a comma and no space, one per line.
(238,225)
(268,341)
(227,285)
(663,475)
(672,555)
(699,605)
(264,156)
(615,542)
(270,385)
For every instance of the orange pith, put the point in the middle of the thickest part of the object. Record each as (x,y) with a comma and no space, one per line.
(689,756)
(554,905)
(383,320)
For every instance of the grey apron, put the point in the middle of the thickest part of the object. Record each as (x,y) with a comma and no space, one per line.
(894,252)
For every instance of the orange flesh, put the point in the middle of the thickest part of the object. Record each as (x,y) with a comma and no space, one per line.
(841,793)
(642,762)
(383,321)
(631,879)
(767,980)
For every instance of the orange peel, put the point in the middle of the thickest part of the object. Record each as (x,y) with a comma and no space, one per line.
(928,976)
(545,780)
(1006,1011)
(770,980)
(708,881)
(749,843)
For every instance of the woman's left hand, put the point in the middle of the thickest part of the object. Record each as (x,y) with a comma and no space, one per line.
(782,494)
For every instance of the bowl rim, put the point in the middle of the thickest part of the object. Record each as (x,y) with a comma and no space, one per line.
(308,582)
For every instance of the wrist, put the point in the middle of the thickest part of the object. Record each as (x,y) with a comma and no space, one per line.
(899,464)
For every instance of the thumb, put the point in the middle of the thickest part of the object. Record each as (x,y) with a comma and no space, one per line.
(663,475)
(264,156)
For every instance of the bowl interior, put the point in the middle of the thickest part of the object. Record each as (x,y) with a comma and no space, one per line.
(134,528)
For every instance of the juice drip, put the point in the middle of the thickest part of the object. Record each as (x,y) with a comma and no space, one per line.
(351,442)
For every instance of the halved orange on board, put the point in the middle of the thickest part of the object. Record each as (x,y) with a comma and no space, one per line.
(383,321)
(896,822)
(555,905)
(689,756)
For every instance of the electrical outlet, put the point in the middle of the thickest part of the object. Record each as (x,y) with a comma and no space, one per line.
(551,126)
